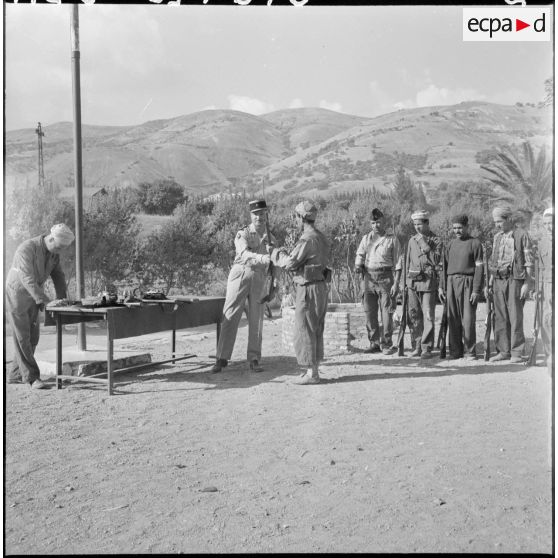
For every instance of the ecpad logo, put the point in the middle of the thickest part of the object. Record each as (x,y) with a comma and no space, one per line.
(506,24)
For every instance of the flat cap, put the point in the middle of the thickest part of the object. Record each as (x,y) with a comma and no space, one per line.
(501,212)
(257,205)
(420,214)
(376,214)
(62,233)
(307,210)
(548,211)
(461,219)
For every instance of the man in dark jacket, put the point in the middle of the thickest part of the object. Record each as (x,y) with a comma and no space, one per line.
(511,266)
(464,271)
(308,261)
(34,261)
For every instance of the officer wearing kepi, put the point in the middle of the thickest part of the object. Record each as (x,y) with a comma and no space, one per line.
(308,261)
(379,260)
(546,266)
(246,282)
(34,262)
(423,260)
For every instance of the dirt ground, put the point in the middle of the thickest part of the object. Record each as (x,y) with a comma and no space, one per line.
(387,455)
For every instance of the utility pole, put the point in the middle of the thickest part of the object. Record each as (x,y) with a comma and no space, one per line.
(40,134)
(76,94)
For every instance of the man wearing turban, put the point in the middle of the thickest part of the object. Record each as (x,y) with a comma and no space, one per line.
(510,266)
(423,260)
(34,261)
(379,261)
(546,267)
(308,262)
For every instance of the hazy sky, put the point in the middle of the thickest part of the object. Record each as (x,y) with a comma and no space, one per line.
(141,63)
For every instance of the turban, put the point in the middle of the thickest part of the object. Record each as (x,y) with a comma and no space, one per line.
(62,234)
(257,205)
(461,219)
(376,214)
(307,210)
(548,211)
(501,212)
(420,214)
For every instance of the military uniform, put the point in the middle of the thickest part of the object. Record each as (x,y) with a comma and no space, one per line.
(423,260)
(308,261)
(546,270)
(32,265)
(379,255)
(511,255)
(464,270)
(246,281)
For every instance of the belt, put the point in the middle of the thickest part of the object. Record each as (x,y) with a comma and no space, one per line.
(461,274)
(379,269)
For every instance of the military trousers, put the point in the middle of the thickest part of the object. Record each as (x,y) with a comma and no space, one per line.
(547,319)
(422,306)
(310,312)
(462,316)
(508,317)
(377,297)
(245,284)
(23,316)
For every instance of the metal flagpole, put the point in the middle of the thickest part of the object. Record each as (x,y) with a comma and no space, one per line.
(74,31)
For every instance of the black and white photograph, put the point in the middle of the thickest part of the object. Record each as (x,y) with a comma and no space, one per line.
(278,277)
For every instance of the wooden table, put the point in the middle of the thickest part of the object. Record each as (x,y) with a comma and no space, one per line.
(147,317)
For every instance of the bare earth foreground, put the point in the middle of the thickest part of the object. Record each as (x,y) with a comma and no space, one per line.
(387,455)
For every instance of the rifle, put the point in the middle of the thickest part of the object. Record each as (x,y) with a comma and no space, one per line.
(403,324)
(489,307)
(532,360)
(271,283)
(442,334)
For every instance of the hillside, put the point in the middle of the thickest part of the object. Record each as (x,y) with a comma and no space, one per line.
(297,150)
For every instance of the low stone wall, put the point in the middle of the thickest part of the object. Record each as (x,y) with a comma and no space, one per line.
(343,324)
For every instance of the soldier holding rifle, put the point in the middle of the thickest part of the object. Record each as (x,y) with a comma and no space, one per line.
(463,265)
(423,259)
(246,282)
(379,260)
(544,289)
(511,279)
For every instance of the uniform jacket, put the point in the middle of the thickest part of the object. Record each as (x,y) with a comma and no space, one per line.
(311,252)
(423,257)
(32,266)
(523,254)
(250,248)
(386,252)
(545,259)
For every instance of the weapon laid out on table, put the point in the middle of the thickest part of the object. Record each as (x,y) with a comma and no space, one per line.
(489,308)
(442,334)
(403,324)
(271,284)
(537,319)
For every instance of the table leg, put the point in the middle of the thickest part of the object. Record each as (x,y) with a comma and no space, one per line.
(173,344)
(110,364)
(59,327)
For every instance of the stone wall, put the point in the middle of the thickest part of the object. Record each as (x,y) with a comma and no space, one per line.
(344,323)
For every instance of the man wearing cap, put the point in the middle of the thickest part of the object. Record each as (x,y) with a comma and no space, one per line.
(510,266)
(379,261)
(462,288)
(246,282)
(423,261)
(308,262)
(546,267)
(34,261)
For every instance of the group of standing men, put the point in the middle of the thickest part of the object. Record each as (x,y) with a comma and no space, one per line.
(454,272)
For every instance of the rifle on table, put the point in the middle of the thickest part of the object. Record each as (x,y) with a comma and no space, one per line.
(489,307)
(532,360)
(442,334)
(403,323)
(271,284)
